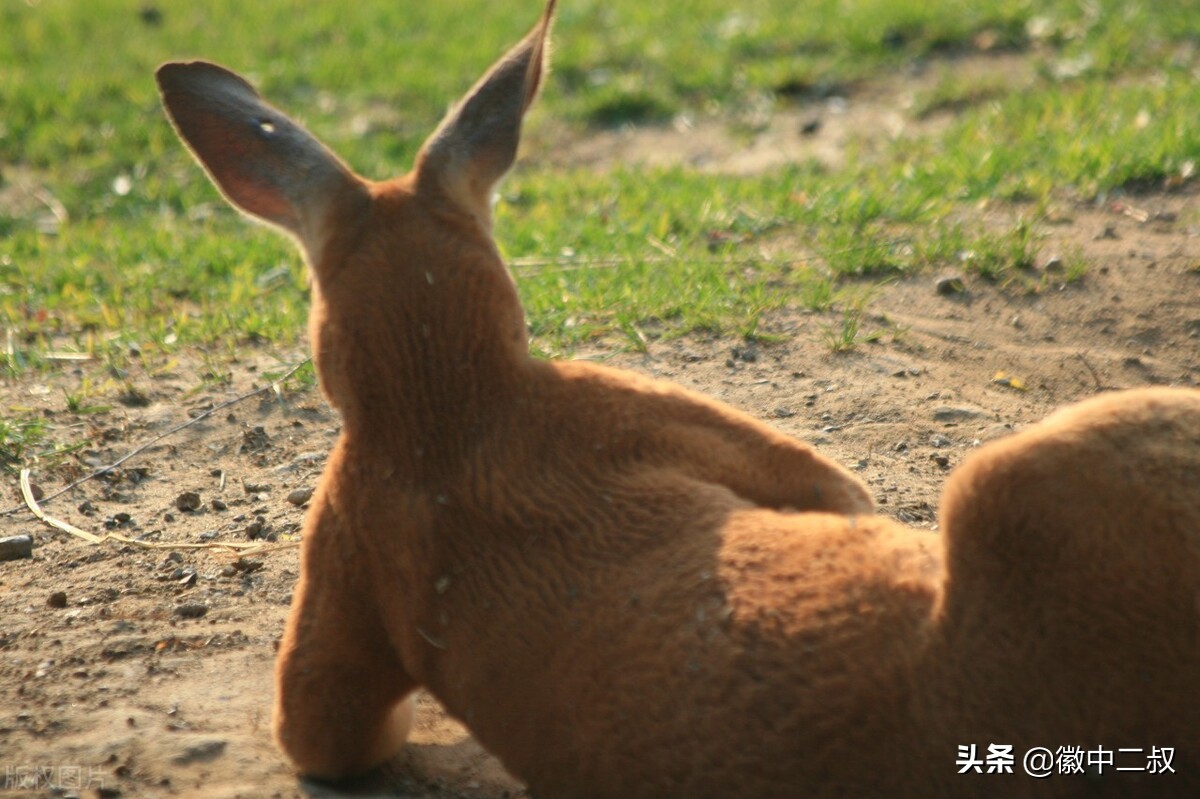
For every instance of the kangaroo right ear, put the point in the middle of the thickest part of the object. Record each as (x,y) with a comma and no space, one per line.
(477,141)
(262,161)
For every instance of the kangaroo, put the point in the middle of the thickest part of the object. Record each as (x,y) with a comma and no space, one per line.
(626,589)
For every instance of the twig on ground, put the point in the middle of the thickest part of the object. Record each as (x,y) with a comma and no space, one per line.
(1095,376)
(91,538)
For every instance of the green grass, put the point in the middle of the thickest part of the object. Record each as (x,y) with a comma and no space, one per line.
(19,439)
(112,239)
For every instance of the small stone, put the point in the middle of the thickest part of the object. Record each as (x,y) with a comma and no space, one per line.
(16,547)
(218,504)
(941,460)
(784,413)
(205,752)
(188,501)
(939,441)
(191,610)
(1053,264)
(300,496)
(228,571)
(57,600)
(748,353)
(947,286)
(122,518)
(254,440)
(948,413)
(998,430)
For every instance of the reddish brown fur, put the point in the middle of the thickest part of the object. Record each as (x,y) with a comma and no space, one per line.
(625,589)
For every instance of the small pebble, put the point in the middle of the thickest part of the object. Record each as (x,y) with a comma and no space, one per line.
(205,752)
(191,610)
(255,439)
(748,353)
(949,413)
(950,285)
(16,547)
(300,496)
(57,600)
(218,505)
(188,501)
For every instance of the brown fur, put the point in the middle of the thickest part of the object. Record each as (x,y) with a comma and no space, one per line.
(625,589)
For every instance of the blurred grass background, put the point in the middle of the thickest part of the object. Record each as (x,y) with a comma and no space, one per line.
(112,240)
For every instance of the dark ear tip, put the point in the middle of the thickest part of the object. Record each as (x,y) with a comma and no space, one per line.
(184,75)
(168,72)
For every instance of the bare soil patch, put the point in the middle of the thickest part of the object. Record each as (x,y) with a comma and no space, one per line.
(148,672)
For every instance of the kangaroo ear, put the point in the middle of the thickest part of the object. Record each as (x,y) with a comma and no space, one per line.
(262,161)
(477,141)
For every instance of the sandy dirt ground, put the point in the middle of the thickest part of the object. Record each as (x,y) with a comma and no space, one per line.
(147,672)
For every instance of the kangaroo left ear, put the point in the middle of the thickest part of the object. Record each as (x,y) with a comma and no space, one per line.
(263,162)
(477,141)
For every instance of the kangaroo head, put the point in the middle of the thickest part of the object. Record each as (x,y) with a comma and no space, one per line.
(412,307)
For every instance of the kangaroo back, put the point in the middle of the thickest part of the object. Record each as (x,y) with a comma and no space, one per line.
(625,589)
